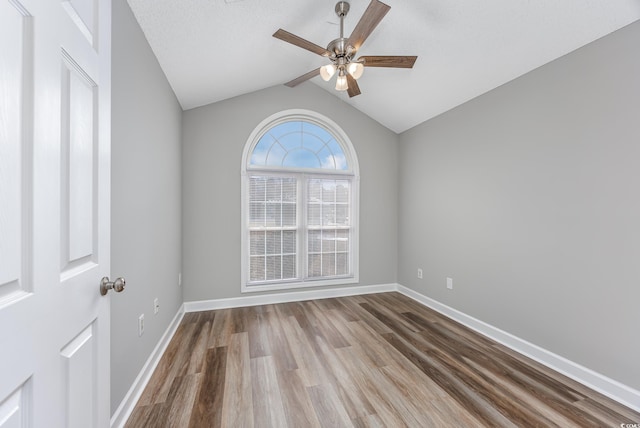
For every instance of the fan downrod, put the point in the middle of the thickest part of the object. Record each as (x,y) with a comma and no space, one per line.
(338,47)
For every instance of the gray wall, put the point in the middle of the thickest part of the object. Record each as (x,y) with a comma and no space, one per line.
(145,200)
(214,137)
(528,197)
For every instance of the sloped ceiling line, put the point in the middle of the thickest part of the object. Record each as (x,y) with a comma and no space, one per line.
(211,50)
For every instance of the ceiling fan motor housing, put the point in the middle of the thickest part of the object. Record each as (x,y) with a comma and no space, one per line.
(339,49)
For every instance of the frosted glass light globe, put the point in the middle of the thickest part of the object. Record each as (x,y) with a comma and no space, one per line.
(355,69)
(327,71)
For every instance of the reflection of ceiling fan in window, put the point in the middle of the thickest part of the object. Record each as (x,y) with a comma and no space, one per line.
(341,51)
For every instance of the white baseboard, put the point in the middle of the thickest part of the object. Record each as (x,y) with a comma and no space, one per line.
(611,388)
(294,296)
(122,413)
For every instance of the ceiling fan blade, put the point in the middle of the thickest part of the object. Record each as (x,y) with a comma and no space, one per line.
(300,42)
(303,78)
(389,61)
(369,21)
(352,89)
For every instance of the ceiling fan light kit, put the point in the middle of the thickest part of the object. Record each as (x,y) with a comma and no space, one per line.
(341,51)
(341,81)
(327,72)
(355,69)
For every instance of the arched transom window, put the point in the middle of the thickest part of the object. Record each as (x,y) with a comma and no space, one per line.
(300,187)
(298,144)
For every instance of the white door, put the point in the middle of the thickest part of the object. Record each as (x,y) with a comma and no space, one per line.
(54,212)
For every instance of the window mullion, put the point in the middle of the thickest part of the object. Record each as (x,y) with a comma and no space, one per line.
(335,233)
(264,222)
(321,236)
(281,231)
(302,227)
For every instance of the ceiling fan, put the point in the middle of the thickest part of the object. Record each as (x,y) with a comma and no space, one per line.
(341,51)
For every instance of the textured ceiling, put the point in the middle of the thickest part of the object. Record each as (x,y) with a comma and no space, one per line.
(211,50)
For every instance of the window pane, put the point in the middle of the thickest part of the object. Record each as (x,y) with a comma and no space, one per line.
(317,131)
(314,215)
(274,189)
(329,215)
(314,241)
(276,155)
(267,195)
(328,264)
(312,142)
(328,241)
(289,242)
(342,215)
(326,157)
(256,270)
(328,206)
(315,265)
(338,155)
(272,204)
(315,191)
(256,214)
(342,240)
(256,243)
(342,192)
(273,268)
(301,158)
(342,264)
(289,190)
(328,191)
(273,214)
(259,155)
(328,202)
(257,189)
(291,141)
(274,242)
(289,267)
(289,215)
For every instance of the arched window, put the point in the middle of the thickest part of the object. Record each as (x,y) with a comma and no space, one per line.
(299,193)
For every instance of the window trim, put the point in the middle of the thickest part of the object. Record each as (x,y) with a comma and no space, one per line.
(352,173)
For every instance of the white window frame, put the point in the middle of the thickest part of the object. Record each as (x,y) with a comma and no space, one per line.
(352,173)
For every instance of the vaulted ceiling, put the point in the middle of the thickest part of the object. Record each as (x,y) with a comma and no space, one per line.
(211,50)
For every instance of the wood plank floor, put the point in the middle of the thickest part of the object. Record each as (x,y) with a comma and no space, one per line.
(378,360)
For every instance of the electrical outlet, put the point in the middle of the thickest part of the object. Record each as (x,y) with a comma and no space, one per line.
(141,325)
(180,279)
(450,283)
(419,273)
(156,306)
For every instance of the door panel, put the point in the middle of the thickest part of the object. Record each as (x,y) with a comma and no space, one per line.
(84,15)
(80,371)
(54,212)
(15,166)
(79,142)
(13,410)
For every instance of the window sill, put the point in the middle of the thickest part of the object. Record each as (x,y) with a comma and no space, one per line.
(260,288)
